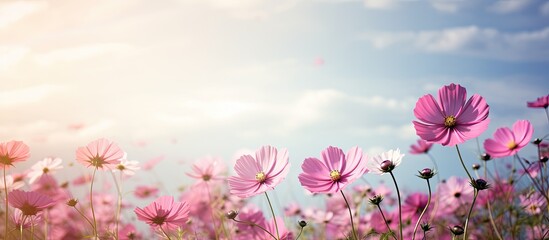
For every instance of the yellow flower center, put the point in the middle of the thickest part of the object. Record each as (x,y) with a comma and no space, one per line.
(207,177)
(260,177)
(335,175)
(450,121)
(511,145)
(45,170)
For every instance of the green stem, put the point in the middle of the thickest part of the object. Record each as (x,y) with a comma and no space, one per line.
(6,213)
(490,215)
(164,232)
(255,225)
(83,216)
(463,164)
(274,217)
(350,215)
(118,184)
(399,206)
(424,210)
(91,204)
(385,221)
(299,235)
(469,214)
(212,211)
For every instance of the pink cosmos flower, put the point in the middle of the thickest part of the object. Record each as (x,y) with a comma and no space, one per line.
(208,169)
(164,212)
(541,102)
(10,184)
(23,221)
(506,142)
(454,192)
(12,152)
(145,191)
(258,175)
(100,153)
(421,147)
(533,203)
(334,172)
(30,203)
(451,120)
(46,166)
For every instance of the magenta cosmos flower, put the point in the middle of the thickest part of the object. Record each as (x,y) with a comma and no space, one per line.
(99,154)
(30,203)
(208,169)
(452,119)
(541,102)
(13,151)
(164,213)
(507,142)
(335,171)
(420,147)
(259,174)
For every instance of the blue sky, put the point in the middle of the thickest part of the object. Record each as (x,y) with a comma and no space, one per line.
(196,77)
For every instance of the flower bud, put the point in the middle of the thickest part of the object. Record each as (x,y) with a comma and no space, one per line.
(543,159)
(426,173)
(376,200)
(302,223)
(476,166)
(537,141)
(480,184)
(485,157)
(457,230)
(72,202)
(387,166)
(231,214)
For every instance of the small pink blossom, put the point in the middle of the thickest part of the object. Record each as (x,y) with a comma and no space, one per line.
(507,142)
(12,152)
(164,213)
(451,120)
(541,102)
(259,174)
(420,147)
(335,171)
(99,154)
(208,169)
(145,191)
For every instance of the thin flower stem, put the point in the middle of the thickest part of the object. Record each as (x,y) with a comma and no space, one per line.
(91,204)
(424,210)
(490,215)
(469,214)
(435,208)
(463,164)
(212,211)
(84,216)
(350,215)
(385,221)
(547,114)
(21,227)
(536,185)
(117,183)
(164,232)
(32,229)
(399,206)
(255,225)
(6,213)
(299,235)
(274,217)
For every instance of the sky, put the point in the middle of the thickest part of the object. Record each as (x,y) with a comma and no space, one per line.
(183,79)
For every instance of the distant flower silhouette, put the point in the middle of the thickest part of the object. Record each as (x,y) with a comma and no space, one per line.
(259,174)
(145,191)
(507,142)
(101,153)
(164,213)
(451,120)
(335,171)
(30,203)
(420,147)
(541,102)
(12,152)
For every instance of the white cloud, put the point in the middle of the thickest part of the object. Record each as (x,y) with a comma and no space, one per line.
(247,9)
(544,9)
(10,98)
(11,55)
(450,6)
(81,52)
(472,41)
(509,6)
(12,12)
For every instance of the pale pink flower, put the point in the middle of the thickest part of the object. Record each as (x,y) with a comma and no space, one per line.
(47,166)
(208,169)
(145,191)
(99,154)
(129,232)
(385,162)
(10,184)
(533,203)
(12,152)
(259,174)
(164,213)
(127,167)
(25,221)
(507,142)
(335,171)
(82,179)
(420,147)
(541,102)
(454,192)
(30,203)
(451,120)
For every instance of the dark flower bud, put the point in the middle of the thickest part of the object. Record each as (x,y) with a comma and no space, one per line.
(387,166)
(376,200)
(231,214)
(485,157)
(426,173)
(480,184)
(476,166)
(302,223)
(426,227)
(537,141)
(72,202)
(457,230)
(543,159)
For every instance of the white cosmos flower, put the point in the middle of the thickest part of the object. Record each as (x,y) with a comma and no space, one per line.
(47,166)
